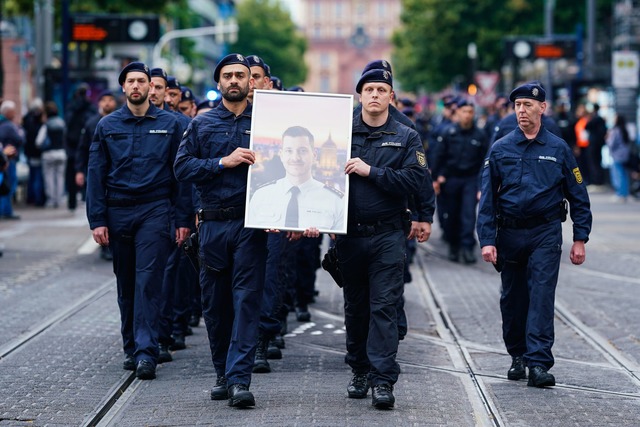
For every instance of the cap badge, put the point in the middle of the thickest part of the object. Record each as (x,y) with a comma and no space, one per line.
(385,74)
(240,57)
(385,64)
(534,92)
(256,59)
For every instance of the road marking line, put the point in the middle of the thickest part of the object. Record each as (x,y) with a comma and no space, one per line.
(88,247)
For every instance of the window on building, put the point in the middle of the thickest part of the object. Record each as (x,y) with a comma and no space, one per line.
(324,60)
(325,84)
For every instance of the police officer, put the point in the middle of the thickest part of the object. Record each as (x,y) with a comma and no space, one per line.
(176,287)
(526,176)
(387,165)
(261,74)
(130,187)
(188,102)
(456,166)
(173,93)
(215,155)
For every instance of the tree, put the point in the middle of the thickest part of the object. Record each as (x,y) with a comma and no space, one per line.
(431,45)
(266,30)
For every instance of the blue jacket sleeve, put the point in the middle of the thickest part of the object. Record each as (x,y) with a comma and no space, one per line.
(487,211)
(410,176)
(96,181)
(576,193)
(191,165)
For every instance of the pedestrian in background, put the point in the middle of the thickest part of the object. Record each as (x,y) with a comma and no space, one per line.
(526,177)
(12,139)
(620,150)
(31,122)
(50,141)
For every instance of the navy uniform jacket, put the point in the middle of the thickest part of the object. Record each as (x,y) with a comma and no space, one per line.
(423,203)
(461,152)
(398,166)
(131,158)
(209,137)
(529,178)
(510,122)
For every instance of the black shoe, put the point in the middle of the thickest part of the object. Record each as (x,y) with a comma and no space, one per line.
(468,256)
(358,386)
(539,377)
(129,363)
(194,321)
(302,314)
(105,253)
(278,340)
(382,396)
(188,332)
(517,371)
(453,254)
(219,391)
(163,354)
(273,351)
(261,364)
(178,343)
(240,396)
(284,327)
(145,370)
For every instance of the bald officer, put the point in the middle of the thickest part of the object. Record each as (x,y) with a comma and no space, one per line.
(526,177)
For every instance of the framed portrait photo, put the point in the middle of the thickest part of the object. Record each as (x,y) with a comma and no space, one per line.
(302,141)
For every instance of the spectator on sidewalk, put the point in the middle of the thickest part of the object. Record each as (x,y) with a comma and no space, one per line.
(620,149)
(50,141)
(12,139)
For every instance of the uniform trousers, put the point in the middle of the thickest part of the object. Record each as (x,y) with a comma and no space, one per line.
(273,292)
(531,261)
(231,280)
(372,268)
(459,200)
(140,240)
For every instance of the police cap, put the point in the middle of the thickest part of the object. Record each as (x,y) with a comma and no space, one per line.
(295,89)
(378,64)
(277,83)
(104,93)
(173,83)
(159,72)
(187,94)
(233,58)
(375,75)
(131,67)
(531,90)
(267,70)
(256,61)
(207,103)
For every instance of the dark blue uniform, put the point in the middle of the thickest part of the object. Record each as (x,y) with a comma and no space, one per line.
(372,254)
(524,183)
(130,188)
(458,158)
(510,122)
(233,257)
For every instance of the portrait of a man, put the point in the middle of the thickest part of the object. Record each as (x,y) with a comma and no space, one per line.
(298,200)
(301,142)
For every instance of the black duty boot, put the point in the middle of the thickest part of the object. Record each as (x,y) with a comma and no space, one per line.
(219,391)
(382,396)
(539,377)
(261,364)
(240,396)
(278,340)
(358,386)
(468,256)
(129,363)
(273,351)
(517,371)
(163,354)
(453,253)
(194,320)
(145,370)
(178,342)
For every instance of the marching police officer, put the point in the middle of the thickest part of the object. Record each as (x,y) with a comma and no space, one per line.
(525,180)
(456,165)
(130,187)
(387,165)
(215,155)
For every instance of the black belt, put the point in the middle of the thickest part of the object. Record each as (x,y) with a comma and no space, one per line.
(528,222)
(221,214)
(125,203)
(371,229)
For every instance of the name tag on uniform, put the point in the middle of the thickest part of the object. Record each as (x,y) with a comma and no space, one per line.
(391,144)
(158,131)
(553,159)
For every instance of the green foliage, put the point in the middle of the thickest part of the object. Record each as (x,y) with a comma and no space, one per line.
(431,46)
(266,30)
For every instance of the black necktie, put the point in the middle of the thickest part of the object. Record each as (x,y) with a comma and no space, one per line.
(291,220)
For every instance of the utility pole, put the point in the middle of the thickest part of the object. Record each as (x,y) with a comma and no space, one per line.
(549,9)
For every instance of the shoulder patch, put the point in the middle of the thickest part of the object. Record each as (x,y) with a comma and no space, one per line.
(578,175)
(422,159)
(334,190)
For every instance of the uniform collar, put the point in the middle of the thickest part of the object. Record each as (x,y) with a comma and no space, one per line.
(541,137)
(390,126)
(225,113)
(152,112)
